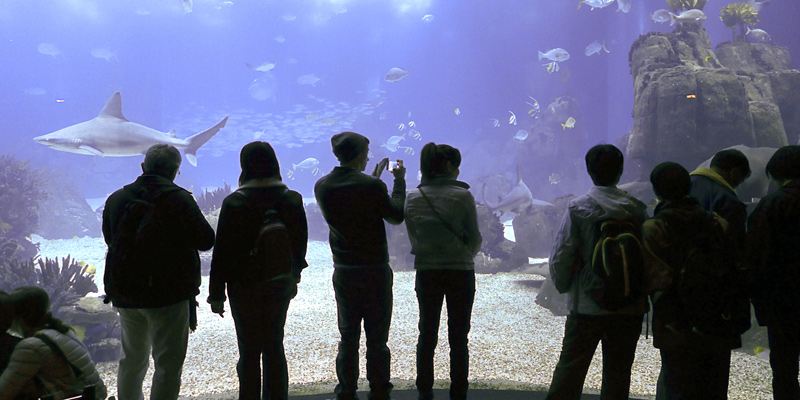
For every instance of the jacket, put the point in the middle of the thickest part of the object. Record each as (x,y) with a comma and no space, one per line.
(571,257)
(185,228)
(774,256)
(7,344)
(434,246)
(662,236)
(355,205)
(717,196)
(240,220)
(33,358)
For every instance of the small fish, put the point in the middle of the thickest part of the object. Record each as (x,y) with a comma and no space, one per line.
(595,48)
(48,49)
(568,124)
(557,55)
(551,67)
(535,109)
(661,16)
(401,127)
(709,58)
(104,54)
(554,178)
(308,79)
(457,111)
(289,17)
(693,15)
(280,39)
(595,3)
(624,6)
(521,135)
(308,163)
(758,35)
(60,101)
(395,74)
(428,18)
(264,67)
(512,118)
(412,124)
(495,122)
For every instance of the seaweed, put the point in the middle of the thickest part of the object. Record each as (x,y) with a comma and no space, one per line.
(65,281)
(209,201)
(737,17)
(20,194)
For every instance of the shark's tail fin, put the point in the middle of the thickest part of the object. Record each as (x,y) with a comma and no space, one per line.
(197,140)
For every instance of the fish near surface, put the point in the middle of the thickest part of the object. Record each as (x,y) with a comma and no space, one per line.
(110,134)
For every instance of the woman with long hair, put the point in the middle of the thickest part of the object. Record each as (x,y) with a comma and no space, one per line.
(259,299)
(50,359)
(442,223)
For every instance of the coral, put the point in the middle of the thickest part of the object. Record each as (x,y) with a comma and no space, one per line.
(20,195)
(677,5)
(66,282)
(209,201)
(737,16)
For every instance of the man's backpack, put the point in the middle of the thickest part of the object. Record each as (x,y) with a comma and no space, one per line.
(270,257)
(616,276)
(132,264)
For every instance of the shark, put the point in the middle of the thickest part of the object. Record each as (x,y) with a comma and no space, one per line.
(110,134)
(516,201)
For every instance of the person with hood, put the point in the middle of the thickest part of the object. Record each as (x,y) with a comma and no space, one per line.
(589,323)
(442,224)
(154,230)
(50,360)
(774,255)
(355,206)
(259,303)
(687,242)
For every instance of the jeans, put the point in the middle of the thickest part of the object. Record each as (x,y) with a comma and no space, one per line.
(784,345)
(259,313)
(619,335)
(432,288)
(363,294)
(692,372)
(164,332)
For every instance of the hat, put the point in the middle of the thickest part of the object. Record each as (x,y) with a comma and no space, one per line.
(348,145)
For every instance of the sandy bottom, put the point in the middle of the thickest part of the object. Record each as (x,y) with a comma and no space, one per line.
(513,343)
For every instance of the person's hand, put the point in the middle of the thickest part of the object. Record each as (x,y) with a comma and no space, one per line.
(400,171)
(218,307)
(380,167)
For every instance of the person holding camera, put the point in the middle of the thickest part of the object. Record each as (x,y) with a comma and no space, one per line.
(355,205)
(442,224)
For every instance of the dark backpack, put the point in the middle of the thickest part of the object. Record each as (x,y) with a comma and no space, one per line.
(704,275)
(616,278)
(132,267)
(270,257)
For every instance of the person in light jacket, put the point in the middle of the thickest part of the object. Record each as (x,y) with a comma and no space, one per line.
(442,225)
(59,371)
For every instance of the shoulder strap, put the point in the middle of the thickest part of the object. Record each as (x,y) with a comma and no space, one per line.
(444,222)
(58,352)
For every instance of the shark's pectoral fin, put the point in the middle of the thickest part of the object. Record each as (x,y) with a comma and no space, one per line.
(91,150)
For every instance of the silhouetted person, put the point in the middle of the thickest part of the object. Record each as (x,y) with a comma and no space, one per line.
(774,250)
(259,302)
(7,341)
(715,189)
(692,252)
(154,229)
(442,225)
(571,269)
(50,359)
(354,206)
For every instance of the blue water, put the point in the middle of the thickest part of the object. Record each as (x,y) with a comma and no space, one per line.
(184,71)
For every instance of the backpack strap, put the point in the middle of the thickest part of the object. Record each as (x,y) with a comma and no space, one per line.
(60,353)
(460,236)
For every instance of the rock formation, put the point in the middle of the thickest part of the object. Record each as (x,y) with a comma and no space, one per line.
(64,212)
(691,100)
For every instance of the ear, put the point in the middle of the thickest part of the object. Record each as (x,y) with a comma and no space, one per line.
(142,167)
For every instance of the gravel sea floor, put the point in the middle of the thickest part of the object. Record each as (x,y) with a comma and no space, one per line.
(513,343)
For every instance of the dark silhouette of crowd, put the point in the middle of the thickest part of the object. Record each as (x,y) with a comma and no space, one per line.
(697,263)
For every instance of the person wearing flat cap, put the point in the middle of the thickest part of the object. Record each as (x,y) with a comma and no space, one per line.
(355,205)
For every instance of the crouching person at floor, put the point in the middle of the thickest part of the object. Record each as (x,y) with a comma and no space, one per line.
(259,253)
(691,312)
(599,312)
(50,361)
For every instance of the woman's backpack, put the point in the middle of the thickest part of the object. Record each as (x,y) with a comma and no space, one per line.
(270,257)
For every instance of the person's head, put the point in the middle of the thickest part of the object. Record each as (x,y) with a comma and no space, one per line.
(351,149)
(162,160)
(6,312)
(784,165)
(258,161)
(32,311)
(670,181)
(604,164)
(732,165)
(439,161)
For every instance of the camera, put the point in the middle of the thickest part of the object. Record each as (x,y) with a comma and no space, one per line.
(393,165)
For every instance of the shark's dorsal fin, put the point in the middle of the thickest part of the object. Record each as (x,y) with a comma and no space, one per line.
(113,107)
